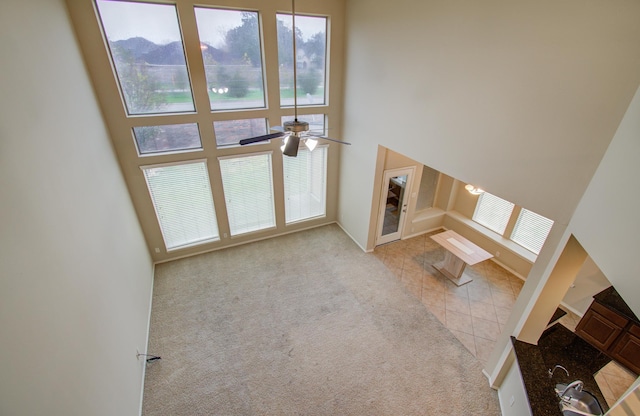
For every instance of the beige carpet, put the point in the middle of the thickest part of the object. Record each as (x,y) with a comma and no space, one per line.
(305,324)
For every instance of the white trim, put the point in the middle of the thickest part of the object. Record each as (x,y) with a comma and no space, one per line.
(387,176)
(353,239)
(507,358)
(248,242)
(146,346)
(176,163)
(239,155)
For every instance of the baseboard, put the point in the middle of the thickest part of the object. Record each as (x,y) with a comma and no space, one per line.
(509,269)
(353,239)
(146,345)
(247,242)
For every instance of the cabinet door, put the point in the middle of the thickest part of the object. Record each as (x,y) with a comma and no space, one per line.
(598,330)
(627,352)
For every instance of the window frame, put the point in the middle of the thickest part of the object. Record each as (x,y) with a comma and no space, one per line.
(325,149)
(164,231)
(537,239)
(480,210)
(85,18)
(227,192)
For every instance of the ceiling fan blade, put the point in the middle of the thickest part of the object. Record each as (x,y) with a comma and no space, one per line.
(332,140)
(261,138)
(318,132)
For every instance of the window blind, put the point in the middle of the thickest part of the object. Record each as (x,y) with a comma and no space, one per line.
(181,196)
(305,178)
(493,212)
(248,190)
(531,230)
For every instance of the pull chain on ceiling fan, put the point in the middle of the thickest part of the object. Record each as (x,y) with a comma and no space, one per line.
(293,131)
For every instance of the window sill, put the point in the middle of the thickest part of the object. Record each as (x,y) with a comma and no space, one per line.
(497,238)
(426,214)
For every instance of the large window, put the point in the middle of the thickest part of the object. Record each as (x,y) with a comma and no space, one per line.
(230,44)
(230,132)
(531,230)
(167,138)
(311,41)
(149,63)
(185,82)
(493,212)
(248,191)
(305,178)
(181,196)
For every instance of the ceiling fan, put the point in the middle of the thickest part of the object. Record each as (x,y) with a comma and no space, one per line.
(293,131)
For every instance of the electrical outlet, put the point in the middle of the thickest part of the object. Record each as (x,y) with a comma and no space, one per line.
(157,250)
(512,400)
(497,254)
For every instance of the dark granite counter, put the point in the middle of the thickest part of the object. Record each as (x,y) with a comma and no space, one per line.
(611,299)
(557,346)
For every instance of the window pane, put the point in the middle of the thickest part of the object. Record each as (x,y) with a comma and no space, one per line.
(146,48)
(248,191)
(531,230)
(232,131)
(305,184)
(493,212)
(311,40)
(181,196)
(230,44)
(316,122)
(167,138)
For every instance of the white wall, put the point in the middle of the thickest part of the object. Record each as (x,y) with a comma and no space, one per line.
(589,282)
(613,193)
(520,98)
(75,273)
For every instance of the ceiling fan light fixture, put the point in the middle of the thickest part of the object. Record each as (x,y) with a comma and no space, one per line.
(311,144)
(473,190)
(291,146)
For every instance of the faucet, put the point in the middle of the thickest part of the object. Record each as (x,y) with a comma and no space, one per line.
(554,370)
(577,385)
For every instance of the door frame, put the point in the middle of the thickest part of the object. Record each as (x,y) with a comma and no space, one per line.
(403,205)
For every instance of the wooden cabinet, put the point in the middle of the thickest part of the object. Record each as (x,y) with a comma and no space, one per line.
(627,351)
(611,332)
(600,327)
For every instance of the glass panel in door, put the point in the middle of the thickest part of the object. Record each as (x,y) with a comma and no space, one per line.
(394,205)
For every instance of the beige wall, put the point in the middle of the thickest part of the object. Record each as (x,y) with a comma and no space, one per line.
(613,244)
(75,274)
(520,98)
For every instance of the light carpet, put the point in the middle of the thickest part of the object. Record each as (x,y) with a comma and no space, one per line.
(303,324)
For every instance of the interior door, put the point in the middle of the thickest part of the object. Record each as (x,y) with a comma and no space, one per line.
(393,204)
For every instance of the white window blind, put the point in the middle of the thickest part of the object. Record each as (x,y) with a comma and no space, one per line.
(248,190)
(493,212)
(181,196)
(531,230)
(305,184)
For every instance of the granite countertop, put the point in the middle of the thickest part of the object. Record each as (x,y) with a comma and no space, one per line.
(557,346)
(611,299)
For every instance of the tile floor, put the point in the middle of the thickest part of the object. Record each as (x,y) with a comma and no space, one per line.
(477,311)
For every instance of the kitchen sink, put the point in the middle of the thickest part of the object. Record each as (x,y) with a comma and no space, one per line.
(576,402)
